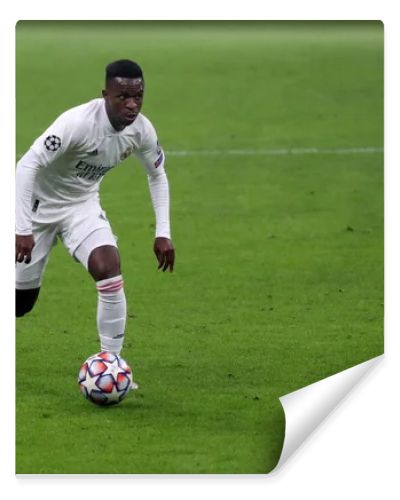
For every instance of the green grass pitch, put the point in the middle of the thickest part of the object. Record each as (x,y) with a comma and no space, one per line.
(279,270)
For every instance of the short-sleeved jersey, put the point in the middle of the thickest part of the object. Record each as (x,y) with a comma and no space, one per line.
(81,146)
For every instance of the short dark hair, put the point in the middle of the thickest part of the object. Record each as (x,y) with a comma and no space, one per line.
(124,68)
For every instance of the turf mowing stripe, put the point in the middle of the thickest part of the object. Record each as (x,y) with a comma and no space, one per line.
(275,152)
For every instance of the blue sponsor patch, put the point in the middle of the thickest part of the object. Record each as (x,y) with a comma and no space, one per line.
(159,160)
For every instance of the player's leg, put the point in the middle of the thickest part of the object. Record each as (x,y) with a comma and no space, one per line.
(25,300)
(88,236)
(99,254)
(28,277)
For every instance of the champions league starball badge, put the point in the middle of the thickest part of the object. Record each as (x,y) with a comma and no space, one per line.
(52,143)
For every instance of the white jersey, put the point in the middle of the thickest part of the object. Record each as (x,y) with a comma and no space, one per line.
(72,156)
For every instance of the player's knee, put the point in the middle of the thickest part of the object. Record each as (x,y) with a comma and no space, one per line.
(104,263)
(25,300)
(106,270)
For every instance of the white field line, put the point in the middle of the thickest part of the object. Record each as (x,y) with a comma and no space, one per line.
(270,152)
(275,152)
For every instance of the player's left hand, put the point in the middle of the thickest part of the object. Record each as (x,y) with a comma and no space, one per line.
(165,253)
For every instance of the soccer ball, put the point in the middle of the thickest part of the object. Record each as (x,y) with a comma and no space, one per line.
(105,379)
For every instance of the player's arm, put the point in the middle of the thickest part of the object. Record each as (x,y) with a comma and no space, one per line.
(159,192)
(27,169)
(47,148)
(152,158)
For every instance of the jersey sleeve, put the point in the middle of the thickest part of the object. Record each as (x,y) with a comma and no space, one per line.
(59,138)
(151,156)
(27,169)
(62,136)
(150,153)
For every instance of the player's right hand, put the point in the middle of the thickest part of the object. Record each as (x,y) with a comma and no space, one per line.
(23,247)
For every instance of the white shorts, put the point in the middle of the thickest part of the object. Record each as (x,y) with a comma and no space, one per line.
(82,229)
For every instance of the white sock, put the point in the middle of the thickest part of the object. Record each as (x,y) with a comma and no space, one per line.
(111,313)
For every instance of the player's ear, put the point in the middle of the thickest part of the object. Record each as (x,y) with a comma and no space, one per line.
(104,93)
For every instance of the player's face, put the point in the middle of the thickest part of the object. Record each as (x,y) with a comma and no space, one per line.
(124,99)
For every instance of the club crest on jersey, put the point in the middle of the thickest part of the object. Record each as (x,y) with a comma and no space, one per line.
(52,143)
(126,153)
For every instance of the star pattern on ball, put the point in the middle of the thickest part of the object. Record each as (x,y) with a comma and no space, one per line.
(90,383)
(112,369)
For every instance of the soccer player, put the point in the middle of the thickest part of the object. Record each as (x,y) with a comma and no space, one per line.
(57,195)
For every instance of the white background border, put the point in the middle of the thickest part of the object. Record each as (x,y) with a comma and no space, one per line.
(355,453)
